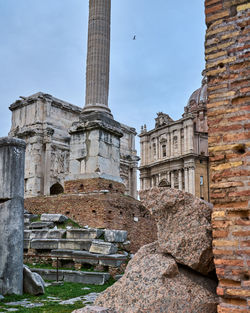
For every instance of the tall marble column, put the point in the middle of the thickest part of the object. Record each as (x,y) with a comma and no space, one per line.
(95,138)
(98,56)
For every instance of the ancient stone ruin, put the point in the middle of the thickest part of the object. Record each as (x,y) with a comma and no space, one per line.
(173,274)
(11,215)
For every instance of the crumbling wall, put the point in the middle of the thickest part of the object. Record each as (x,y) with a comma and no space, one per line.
(100,203)
(227,70)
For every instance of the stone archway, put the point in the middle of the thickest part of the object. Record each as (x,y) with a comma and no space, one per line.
(56,189)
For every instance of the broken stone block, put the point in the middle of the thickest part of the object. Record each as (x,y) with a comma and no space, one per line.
(33,283)
(153,282)
(89,233)
(12,153)
(184,226)
(102,247)
(75,244)
(44,244)
(115,235)
(57,218)
(113,260)
(41,225)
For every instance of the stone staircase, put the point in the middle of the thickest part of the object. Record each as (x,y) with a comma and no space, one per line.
(100,249)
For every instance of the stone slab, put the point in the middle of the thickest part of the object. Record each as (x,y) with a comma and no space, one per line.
(89,233)
(57,218)
(47,234)
(102,247)
(44,244)
(95,278)
(115,235)
(40,225)
(75,244)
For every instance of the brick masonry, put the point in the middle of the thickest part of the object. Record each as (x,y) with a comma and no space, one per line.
(101,208)
(227,68)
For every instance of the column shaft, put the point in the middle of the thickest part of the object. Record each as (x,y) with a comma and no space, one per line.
(98,56)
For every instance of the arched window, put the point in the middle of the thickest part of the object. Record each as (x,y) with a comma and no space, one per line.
(56,189)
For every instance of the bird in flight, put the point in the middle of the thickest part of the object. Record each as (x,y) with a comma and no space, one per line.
(134,37)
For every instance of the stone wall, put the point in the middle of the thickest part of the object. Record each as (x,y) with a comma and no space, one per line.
(227,69)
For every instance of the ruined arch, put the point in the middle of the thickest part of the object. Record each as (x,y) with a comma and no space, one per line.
(56,189)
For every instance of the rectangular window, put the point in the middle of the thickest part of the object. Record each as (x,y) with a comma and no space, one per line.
(201,181)
(164,151)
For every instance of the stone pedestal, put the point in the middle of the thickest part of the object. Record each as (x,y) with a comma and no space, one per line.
(12,152)
(95,147)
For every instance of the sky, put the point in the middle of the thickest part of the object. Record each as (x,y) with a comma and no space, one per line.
(43,47)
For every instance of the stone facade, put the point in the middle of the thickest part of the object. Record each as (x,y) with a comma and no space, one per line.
(44,122)
(174,153)
(227,69)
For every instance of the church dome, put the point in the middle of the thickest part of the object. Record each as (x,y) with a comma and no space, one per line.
(197,100)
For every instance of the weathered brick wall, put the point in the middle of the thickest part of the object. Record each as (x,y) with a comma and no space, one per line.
(93,185)
(227,67)
(103,210)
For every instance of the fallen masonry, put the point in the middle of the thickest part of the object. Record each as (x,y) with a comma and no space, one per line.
(157,279)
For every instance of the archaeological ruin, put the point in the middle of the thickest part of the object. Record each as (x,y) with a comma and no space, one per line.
(188,255)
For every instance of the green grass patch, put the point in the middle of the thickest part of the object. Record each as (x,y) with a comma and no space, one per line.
(64,292)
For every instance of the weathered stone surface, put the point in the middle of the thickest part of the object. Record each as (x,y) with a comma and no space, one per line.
(44,234)
(89,233)
(33,283)
(153,283)
(40,225)
(44,244)
(115,235)
(58,218)
(184,226)
(93,309)
(12,153)
(75,244)
(95,278)
(102,247)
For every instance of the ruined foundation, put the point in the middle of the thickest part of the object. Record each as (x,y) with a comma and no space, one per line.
(12,153)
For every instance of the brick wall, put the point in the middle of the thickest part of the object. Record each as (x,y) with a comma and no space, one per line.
(227,66)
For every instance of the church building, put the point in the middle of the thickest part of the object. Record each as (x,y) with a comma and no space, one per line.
(175,153)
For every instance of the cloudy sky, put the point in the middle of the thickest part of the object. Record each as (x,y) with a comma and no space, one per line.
(43,48)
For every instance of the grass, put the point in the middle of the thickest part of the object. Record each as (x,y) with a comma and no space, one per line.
(64,292)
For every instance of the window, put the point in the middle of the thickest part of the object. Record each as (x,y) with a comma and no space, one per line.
(164,151)
(154,148)
(201,181)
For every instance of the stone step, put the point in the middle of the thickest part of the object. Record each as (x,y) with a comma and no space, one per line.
(57,218)
(44,234)
(95,278)
(83,257)
(51,244)
(84,233)
(41,225)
